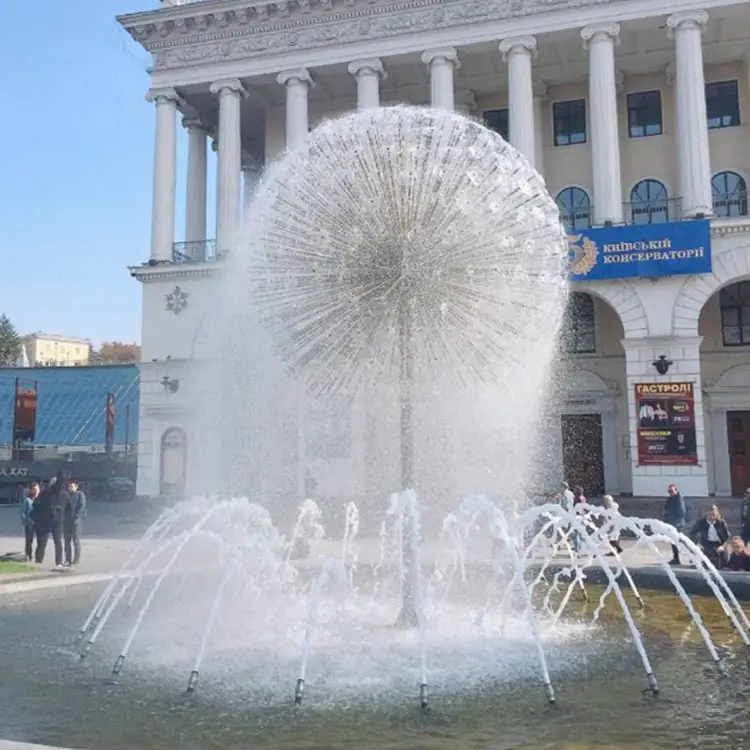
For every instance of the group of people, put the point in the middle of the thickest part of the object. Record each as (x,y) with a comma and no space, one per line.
(711,532)
(55,508)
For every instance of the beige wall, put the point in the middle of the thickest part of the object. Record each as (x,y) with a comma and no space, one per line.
(49,351)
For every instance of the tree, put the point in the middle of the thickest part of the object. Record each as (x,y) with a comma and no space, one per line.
(115,353)
(10,343)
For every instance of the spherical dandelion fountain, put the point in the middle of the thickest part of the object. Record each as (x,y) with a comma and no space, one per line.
(406,245)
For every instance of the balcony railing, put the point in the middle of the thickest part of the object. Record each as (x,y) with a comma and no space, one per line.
(731,204)
(652,212)
(203,251)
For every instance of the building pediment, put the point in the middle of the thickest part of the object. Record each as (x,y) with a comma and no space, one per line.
(220,30)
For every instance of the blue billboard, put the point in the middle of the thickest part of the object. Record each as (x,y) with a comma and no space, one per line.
(651,250)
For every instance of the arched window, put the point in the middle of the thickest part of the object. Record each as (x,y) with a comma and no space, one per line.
(729,194)
(575,208)
(173,465)
(735,314)
(579,331)
(649,202)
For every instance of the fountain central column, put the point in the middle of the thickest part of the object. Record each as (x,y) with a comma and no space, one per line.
(441,64)
(165,177)
(518,54)
(297,84)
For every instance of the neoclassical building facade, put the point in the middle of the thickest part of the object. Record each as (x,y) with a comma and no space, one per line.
(636,113)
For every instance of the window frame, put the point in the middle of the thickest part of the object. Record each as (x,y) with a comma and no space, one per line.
(743,318)
(632,108)
(650,207)
(572,189)
(505,136)
(571,334)
(729,198)
(715,84)
(567,118)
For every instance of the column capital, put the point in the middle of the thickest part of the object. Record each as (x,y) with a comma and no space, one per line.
(228,84)
(373,65)
(448,54)
(193,123)
(523,44)
(599,31)
(686,20)
(167,94)
(292,77)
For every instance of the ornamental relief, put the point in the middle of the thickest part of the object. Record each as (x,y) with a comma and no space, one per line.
(279,27)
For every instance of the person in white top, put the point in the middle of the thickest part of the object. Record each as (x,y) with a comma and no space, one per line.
(566,497)
(613,533)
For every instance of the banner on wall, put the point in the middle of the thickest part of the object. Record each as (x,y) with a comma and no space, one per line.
(24,420)
(647,250)
(666,424)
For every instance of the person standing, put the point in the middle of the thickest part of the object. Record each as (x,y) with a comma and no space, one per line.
(745,517)
(41,517)
(54,500)
(674,515)
(27,519)
(73,523)
(566,497)
(614,533)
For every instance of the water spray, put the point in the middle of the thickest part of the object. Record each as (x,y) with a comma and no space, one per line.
(299,689)
(193,681)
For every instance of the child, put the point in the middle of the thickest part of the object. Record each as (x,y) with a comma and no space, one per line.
(738,557)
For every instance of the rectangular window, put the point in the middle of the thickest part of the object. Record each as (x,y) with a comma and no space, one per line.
(497,120)
(722,104)
(644,114)
(570,122)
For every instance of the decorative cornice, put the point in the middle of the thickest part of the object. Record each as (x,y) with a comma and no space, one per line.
(147,274)
(205,32)
(728,227)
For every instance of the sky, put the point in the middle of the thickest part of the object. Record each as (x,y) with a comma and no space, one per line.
(76,168)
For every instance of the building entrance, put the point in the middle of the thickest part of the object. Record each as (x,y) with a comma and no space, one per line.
(738,431)
(583,458)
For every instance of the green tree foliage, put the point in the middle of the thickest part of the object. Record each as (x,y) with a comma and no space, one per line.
(10,343)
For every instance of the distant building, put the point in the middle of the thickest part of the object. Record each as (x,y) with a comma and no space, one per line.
(51,350)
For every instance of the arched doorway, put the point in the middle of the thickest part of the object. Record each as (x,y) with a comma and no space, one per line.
(173,463)
(724,324)
(594,426)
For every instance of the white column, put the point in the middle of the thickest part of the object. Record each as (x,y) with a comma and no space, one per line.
(367,74)
(297,83)
(600,40)
(692,128)
(540,98)
(441,63)
(195,194)
(517,53)
(230,94)
(165,174)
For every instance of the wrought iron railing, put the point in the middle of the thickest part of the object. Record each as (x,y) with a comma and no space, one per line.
(652,212)
(203,251)
(731,204)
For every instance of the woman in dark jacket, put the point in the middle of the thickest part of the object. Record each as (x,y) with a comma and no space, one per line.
(711,533)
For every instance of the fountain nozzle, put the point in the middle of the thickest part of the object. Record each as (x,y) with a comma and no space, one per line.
(549,692)
(299,688)
(118,666)
(652,684)
(192,681)
(423,695)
